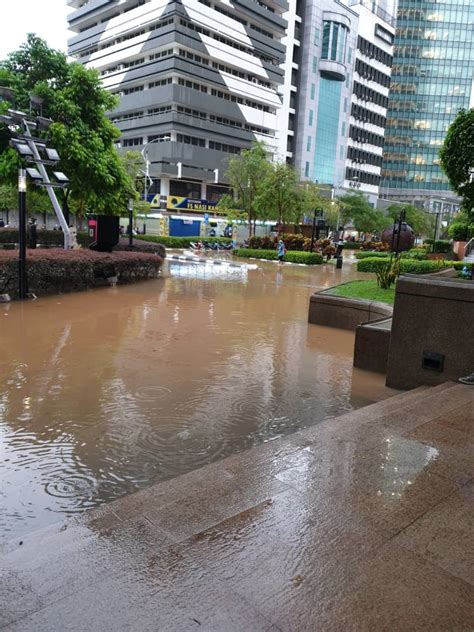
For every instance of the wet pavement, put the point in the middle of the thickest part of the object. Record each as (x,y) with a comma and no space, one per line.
(109,391)
(363,523)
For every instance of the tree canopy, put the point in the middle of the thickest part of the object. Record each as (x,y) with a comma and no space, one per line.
(83,135)
(356,208)
(279,196)
(418,219)
(457,158)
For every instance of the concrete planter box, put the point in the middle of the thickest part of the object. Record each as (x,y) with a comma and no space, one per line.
(371,347)
(344,313)
(458,249)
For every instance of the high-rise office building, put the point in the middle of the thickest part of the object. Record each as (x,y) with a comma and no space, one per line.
(432,79)
(198,81)
(336,91)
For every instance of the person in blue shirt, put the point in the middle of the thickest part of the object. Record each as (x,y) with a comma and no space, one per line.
(281,250)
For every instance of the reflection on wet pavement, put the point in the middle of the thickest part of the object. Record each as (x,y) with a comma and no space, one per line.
(108,391)
(359,523)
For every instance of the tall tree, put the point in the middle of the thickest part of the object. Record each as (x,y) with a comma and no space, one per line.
(280,196)
(246,174)
(457,158)
(418,219)
(319,198)
(356,208)
(85,138)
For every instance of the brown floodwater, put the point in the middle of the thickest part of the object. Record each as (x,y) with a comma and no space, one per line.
(108,391)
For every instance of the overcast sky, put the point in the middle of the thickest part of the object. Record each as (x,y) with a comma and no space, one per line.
(46,18)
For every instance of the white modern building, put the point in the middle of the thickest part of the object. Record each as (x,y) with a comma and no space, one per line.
(198,81)
(335,91)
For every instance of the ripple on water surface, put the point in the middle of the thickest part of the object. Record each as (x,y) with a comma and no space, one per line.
(109,391)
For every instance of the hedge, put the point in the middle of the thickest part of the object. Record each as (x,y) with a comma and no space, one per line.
(309,258)
(180,242)
(364,254)
(459,265)
(440,245)
(408,266)
(352,245)
(53,271)
(44,237)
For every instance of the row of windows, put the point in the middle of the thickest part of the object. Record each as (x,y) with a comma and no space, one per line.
(374,52)
(363,136)
(201,88)
(254,27)
(205,61)
(229,149)
(225,40)
(368,72)
(186,140)
(364,157)
(367,116)
(132,142)
(367,94)
(136,62)
(362,176)
(213,118)
(190,140)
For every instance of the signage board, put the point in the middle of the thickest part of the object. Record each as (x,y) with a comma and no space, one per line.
(189,204)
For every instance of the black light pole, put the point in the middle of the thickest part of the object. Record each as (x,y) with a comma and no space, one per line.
(130,223)
(433,249)
(400,222)
(22,280)
(314,230)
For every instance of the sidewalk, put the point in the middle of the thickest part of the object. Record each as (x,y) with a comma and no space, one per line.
(364,522)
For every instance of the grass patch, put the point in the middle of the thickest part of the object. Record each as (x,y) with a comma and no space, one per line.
(368,290)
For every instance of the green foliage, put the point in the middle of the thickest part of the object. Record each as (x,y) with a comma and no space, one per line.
(368,290)
(314,198)
(457,158)
(461,229)
(83,135)
(440,245)
(419,254)
(352,245)
(279,196)
(388,272)
(408,266)
(8,197)
(180,242)
(366,254)
(459,265)
(308,258)
(356,208)
(419,220)
(45,237)
(246,174)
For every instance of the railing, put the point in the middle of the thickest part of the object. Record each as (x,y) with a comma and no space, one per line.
(469,248)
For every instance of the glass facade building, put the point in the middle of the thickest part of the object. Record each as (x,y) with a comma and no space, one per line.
(432,78)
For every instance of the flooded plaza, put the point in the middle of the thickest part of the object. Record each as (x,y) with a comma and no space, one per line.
(108,391)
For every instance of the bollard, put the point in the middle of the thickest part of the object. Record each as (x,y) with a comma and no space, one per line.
(339,263)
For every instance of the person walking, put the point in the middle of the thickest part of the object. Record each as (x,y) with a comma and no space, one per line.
(32,234)
(281,249)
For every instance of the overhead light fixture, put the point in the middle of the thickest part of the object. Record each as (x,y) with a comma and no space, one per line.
(61,177)
(43,122)
(34,174)
(21,148)
(7,93)
(52,154)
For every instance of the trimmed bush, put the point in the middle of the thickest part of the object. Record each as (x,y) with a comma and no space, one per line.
(309,258)
(55,271)
(180,242)
(364,254)
(461,230)
(407,266)
(440,245)
(459,265)
(352,245)
(419,254)
(44,237)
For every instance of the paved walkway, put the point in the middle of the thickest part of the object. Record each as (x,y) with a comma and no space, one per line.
(364,522)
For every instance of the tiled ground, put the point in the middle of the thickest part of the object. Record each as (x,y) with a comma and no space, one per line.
(365,522)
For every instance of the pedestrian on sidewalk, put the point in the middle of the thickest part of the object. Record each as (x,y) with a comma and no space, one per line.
(281,250)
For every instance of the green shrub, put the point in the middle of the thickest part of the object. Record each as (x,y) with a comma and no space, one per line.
(365,254)
(440,245)
(461,231)
(180,242)
(419,254)
(408,266)
(352,245)
(44,237)
(309,258)
(459,265)
(388,272)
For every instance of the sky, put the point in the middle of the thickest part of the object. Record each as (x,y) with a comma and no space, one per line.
(46,18)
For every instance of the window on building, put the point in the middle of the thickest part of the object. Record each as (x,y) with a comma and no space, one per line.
(313,90)
(308,144)
(306,170)
(311,117)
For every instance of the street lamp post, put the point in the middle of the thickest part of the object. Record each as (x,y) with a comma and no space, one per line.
(130,223)
(148,178)
(22,279)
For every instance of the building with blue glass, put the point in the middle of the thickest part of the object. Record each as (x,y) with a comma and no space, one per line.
(338,97)
(432,79)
